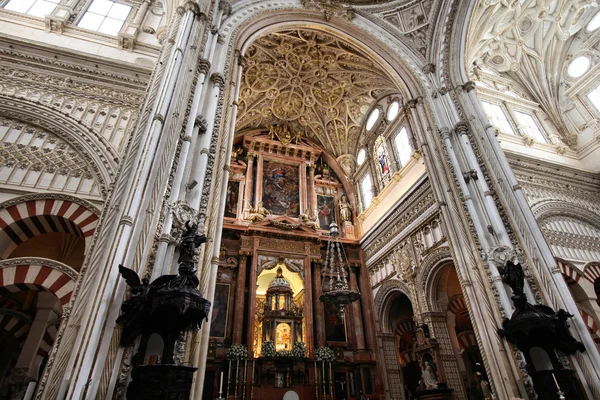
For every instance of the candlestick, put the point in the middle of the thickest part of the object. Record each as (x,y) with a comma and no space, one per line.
(221,384)
(555,382)
(252,386)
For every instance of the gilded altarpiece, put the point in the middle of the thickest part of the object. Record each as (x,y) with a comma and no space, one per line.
(269,277)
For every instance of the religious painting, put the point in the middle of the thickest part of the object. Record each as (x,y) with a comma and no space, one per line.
(381,155)
(233,192)
(326,211)
(218,325)
(335,327)
(281,189)
(283,339)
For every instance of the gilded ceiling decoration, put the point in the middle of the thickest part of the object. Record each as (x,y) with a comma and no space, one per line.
(314,82)
(527,41)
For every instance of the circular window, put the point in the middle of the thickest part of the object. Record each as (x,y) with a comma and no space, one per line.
(578,66)
(594,23)
(372,119)
(393,111)
(361,157)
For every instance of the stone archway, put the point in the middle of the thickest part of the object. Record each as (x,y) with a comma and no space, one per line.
(395,335)
(35,293)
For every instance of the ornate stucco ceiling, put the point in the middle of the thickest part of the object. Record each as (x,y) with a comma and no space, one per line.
(314,82)
(529,42)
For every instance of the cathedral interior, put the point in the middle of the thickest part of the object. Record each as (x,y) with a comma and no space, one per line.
(300,199)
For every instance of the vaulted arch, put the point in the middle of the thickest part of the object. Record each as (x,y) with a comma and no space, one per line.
(26,217)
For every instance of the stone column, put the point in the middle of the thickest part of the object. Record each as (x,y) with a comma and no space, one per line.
(238,316)
(259,175)
(308,310)
(252,301)
(303,189)
(368,304)
(484,311)
(26,369)
(394,376)
(318,306)
(359,333)
(312,193)
(248,185)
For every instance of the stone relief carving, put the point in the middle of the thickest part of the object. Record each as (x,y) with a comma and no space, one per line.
(295,76)
(183,212)
(35,158)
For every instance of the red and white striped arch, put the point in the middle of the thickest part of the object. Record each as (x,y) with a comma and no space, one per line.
(592,326)
(591,272)
(569,272)
(22,221)
(467,339)
(38,274)
(12,323)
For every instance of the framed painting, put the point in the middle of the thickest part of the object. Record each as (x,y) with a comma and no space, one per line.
(281,188)
(233,194)
(326,211)
(335,326)
(218,325)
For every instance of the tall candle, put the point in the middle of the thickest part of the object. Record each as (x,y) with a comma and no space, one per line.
(221,384)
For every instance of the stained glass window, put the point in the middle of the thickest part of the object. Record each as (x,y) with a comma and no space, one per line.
(382,160)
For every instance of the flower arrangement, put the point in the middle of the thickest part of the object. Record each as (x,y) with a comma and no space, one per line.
(325,354)
(237,352)
(284,354)
(268,349)
(299,350)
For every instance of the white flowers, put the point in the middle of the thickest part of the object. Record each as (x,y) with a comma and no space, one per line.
(237,352)
(325,354)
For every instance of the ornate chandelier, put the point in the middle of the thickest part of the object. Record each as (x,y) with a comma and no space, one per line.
(335,285)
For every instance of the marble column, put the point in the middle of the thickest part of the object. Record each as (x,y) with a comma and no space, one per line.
(248,185)
(308,295)
(368,304)
(312,192)
(252,302)
(318,306)
(359,333)
(26,369)
(239,309)
(259,175)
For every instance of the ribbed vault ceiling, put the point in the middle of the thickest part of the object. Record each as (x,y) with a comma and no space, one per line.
(316,83)
(529,42)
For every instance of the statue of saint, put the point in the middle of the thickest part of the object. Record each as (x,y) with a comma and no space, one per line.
(345,209)
(257,214)
(428,378)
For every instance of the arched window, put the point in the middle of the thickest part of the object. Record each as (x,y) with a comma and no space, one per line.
(366,190)
(403,147)
(382,160)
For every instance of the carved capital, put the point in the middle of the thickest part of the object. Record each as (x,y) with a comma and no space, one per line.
(218,80)
(444,133)
(225,6)
(203,66)
(461,128)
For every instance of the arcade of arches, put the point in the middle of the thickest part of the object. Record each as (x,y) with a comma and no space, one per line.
(454,145)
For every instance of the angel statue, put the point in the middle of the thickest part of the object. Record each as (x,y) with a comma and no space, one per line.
(135,309)
(311,222)
(257,214)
